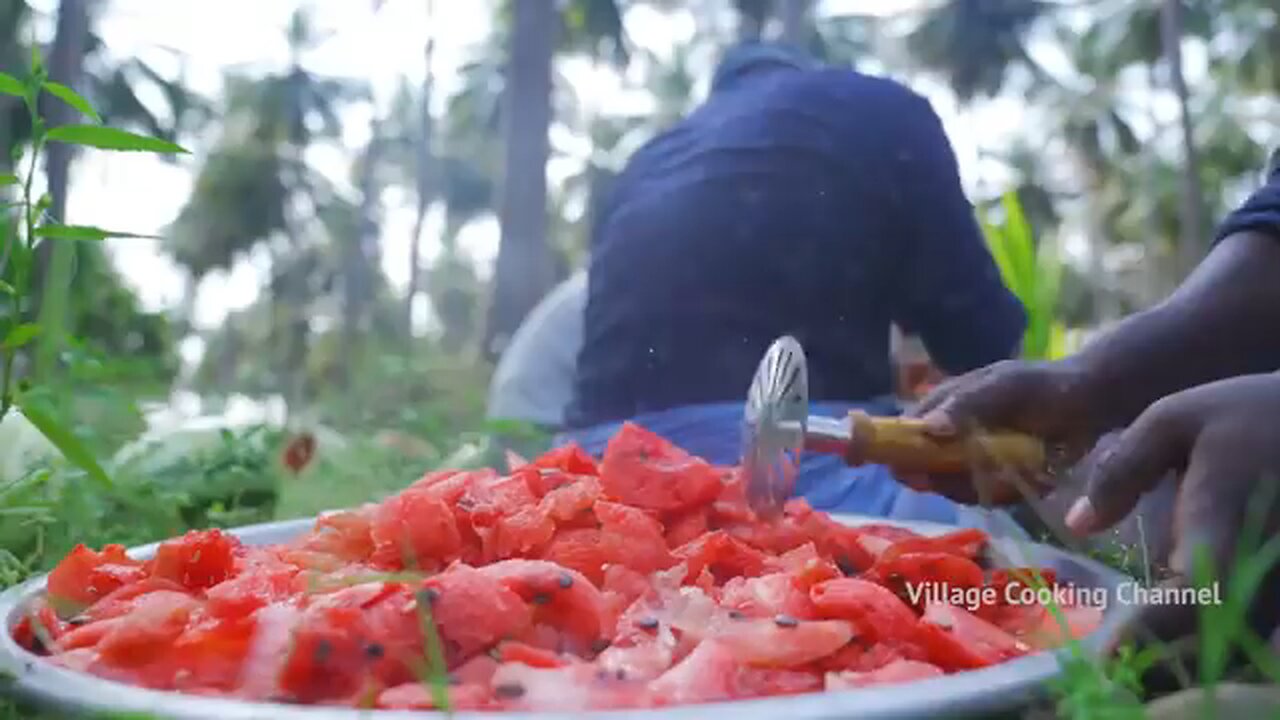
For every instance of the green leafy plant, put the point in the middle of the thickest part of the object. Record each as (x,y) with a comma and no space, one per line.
(24,227)
(1113,687)
(1033,272)
(225,477)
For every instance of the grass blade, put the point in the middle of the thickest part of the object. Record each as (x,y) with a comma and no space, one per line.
(67,443)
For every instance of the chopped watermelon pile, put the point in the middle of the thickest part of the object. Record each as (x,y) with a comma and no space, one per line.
(640,580)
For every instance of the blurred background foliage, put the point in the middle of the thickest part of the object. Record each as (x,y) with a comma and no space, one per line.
(1145,121)
(1142,122)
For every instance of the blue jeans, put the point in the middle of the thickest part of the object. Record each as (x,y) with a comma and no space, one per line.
(714,431)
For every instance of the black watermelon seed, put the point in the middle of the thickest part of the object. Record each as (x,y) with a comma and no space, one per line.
(736,615)
(322,652)
(786,621)
(648,623)
(508,691)
(374,650)
(566,581)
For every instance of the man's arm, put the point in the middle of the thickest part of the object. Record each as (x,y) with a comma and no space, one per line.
(1223,321)
(953,295)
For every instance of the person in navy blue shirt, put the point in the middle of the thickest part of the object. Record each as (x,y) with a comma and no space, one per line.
(798,199)
(1192,385)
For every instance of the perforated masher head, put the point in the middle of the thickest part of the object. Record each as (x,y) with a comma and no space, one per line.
(774,425)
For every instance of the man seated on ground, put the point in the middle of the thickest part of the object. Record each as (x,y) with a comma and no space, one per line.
(914,370)
(798,199)
(533,382)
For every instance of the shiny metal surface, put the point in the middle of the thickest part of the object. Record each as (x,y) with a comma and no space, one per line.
(972,694)
(774,425)
(829,436)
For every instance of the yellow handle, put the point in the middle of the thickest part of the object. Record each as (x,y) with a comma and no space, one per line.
(903,444)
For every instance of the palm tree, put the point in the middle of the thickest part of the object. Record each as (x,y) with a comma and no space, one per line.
(974,44)
(1154,31)
(55,265)
(101,310)
(451,160)
(977,45)
(423,157)
(114,90)
(1193,227)
(411,133)
(796,28)
(1150,34)
(752,17)
(66,66)
(845,39)
(359,240)
(525,266)
(256,188)
(1249,65)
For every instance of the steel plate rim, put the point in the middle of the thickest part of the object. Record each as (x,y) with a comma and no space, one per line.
(999,687)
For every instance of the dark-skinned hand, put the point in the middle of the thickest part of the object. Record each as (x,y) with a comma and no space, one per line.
(1223,440)
(1042,399)
(1220,440)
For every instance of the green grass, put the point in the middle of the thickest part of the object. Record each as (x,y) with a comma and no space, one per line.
(1113,688)
(361,473)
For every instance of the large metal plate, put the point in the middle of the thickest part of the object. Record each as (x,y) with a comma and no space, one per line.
(977,693)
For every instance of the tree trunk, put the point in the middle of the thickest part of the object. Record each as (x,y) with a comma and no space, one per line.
(1193,241)
(795,21)
(358,269)
(423,172)
(13,24)
(185,316)
(752,15)
(415,270)
(297,333)
(66,66)
(228,365)
(57,261)
(524,268)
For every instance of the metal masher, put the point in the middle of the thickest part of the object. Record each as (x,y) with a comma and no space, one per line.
(777,429)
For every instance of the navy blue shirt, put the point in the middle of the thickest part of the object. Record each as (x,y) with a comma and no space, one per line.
(824,204)
(1261,212)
